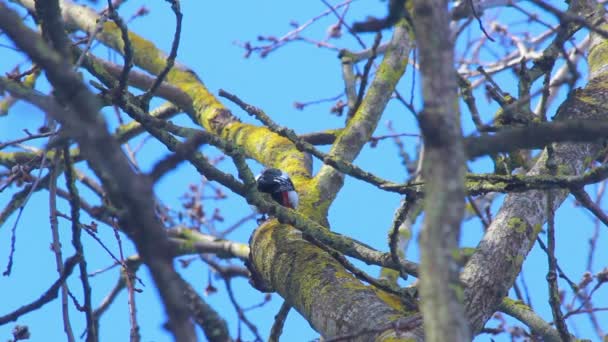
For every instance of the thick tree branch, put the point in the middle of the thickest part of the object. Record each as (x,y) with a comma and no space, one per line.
(206,111)
(53,29)
(537,135)
(443,169)
(285,262)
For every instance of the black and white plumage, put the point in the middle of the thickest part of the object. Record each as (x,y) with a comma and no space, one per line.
(280,187)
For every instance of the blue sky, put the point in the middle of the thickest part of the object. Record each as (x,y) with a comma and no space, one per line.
(296,72)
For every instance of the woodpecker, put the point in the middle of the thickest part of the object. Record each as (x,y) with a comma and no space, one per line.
(278,184)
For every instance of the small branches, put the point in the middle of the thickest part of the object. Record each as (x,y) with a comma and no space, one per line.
(273,43)
(77,243)
(339,164)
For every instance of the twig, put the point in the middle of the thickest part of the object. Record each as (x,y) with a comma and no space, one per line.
(183,152)
(175,7)
(127,49)
(128,274)
(479,20)
(28,138)
(393,237)
(47,296)
(56,244)
(292,35)
(375,139)
(98,28)
(279,321)
(554,296)
(129,266)
(581,195)
(466,92)
(241,315)
(365,77)
(561,272)
(225,271)
(32,189)
(77,243)
(485,223)
(342,22)
(524,284)
(301,105)
(596,229)
(237,224)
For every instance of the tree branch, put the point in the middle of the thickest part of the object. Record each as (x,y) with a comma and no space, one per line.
(527,316)
(443,169)
(127,191)
(537,135)
(498,258)
(362,125)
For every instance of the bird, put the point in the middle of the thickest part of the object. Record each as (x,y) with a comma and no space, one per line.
(279,186)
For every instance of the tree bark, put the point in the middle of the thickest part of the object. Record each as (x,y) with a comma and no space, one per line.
(444,172)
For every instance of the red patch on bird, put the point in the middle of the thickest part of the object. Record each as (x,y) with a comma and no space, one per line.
(285,196)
